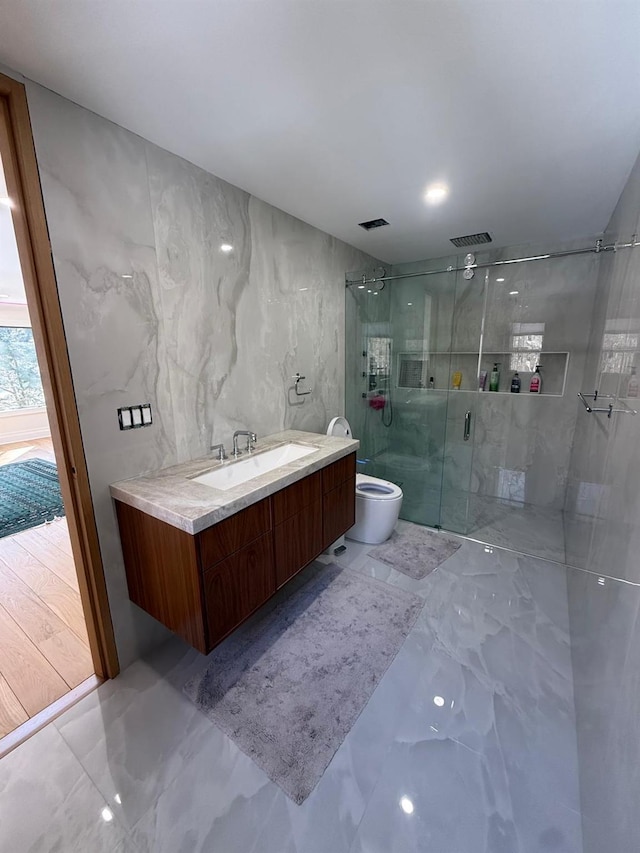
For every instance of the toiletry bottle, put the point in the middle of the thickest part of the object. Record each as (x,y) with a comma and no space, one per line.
(632,387)
(432,383)
(482,381)
(535,386)
(456,380)
(494,382)
(515,383)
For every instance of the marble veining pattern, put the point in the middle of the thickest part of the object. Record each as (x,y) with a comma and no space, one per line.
(172,496)
(155,312)
(472,730)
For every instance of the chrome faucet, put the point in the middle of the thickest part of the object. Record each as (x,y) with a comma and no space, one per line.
(251,440)
(222,453)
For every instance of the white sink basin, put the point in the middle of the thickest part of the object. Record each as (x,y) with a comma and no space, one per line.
(235,473)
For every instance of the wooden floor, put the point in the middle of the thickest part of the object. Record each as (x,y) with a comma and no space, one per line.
(44,651)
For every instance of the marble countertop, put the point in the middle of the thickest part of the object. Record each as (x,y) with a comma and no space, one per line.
(171,494)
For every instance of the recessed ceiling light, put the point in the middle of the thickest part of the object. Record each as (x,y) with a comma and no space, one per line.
(406,805)
(127,276)
(303,288)
(436,193)
(4,199)
(106,814)
(438,700)
(499,279)
(226,248)
(514,292)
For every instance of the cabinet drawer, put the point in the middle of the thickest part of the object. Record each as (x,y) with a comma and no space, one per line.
(338,511)
(336,473)
(298,541)
(291,500)
(237,586)
(223,539)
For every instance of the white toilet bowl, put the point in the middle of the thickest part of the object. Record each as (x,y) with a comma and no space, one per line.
(378,501)
(378,505)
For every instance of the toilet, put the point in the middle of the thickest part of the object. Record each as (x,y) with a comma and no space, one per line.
(378,501)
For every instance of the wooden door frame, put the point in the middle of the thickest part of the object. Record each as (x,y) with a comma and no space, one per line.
(34,249)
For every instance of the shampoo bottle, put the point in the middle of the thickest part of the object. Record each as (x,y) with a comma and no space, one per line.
(535,386)
(515,383)
(494,382)
(632,387)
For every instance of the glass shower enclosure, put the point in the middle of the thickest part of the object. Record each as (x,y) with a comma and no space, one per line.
(413,354)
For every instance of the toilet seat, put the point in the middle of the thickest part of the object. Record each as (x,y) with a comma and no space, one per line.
(375,489)
(339,427)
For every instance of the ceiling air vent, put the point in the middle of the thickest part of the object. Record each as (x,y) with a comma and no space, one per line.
(373,223)
(471,240)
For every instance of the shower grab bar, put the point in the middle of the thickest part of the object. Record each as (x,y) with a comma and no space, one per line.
(467,426)
(608,409)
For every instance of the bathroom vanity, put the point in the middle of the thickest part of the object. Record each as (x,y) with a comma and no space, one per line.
(202,559)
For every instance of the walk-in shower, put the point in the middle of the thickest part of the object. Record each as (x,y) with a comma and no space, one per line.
(423,340)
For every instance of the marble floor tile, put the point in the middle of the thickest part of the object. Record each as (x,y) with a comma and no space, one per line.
(467,745)
(134,734)
(486,750)
(237,804)
(48,802)
(538,531)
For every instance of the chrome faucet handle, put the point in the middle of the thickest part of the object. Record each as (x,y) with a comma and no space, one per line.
(251,439)
(236,451)
(222,453)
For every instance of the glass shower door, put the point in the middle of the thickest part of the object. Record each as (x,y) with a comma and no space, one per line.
(458,505)
(398,376)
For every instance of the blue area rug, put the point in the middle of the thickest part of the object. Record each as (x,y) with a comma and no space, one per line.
(29,495)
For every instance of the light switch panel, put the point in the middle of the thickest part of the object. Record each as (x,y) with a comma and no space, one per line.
(134,417)
(125,418)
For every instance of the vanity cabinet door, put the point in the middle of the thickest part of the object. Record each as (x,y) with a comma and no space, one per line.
(338,472)
(298,541)
(224,538)
(237,586)
(338,511)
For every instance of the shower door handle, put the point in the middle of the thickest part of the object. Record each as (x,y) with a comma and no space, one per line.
(467,425)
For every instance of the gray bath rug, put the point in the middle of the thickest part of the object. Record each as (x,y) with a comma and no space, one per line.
(415,551)
(290,692)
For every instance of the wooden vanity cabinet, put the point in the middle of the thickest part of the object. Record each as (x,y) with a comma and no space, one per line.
(338,499)
(297,532)
(203,587)
(238,586)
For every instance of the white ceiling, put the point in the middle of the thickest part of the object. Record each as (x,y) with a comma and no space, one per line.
(339,111)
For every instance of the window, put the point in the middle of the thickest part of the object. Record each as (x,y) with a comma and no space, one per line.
(379,361)
(618,351)
(526,346)
(20,385)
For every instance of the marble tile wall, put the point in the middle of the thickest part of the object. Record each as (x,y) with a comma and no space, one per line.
(523,438)
(602,533)
(155,312)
